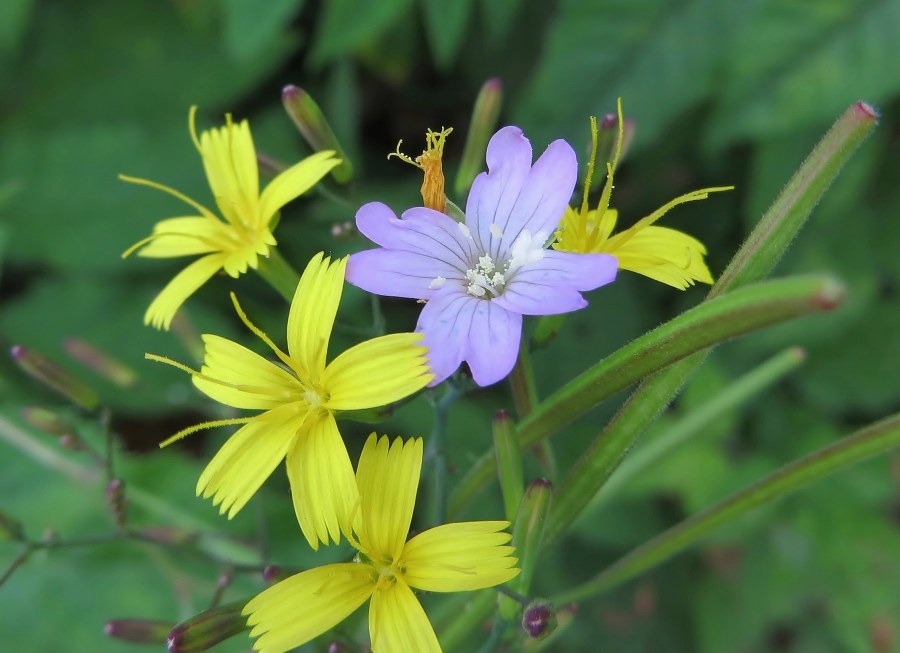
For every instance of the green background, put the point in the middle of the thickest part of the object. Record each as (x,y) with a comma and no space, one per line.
(722,93)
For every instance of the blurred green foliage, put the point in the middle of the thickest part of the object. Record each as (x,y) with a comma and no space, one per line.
(722,92)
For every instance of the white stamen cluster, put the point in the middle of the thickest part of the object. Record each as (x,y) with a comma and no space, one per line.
(487,278)
(484,278)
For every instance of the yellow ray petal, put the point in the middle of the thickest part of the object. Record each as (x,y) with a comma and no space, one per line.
(248,458)
(249,380)
(398,624)
(184,236)
(163,308)
(202,210)
(307,604)
(229,159)
(460,557)
(388,479)
(323,487)
(295,181)
(663,254)
(313,310)
(377,372)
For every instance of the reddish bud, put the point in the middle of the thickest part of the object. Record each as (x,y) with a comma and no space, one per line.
(100,362)
(139,631)
(539,619)
(47,372)
(273,574)
(115,496)
(208,628)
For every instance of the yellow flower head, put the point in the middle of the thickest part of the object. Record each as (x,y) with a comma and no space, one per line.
(232,244)
(666,255)
(430,162)
(449,558)
(299,399)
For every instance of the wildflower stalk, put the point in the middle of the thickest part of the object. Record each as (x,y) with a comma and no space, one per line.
(470,619)
(279,274)
(483,123)
(509,463)
(871,441)
(781,222)
(435,453)
(525,398)
(693,424)
(709,323)
(753,261)
(521,381)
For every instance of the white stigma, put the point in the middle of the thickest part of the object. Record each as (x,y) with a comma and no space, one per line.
(496,231)
(526,249)
(465,230)
(437,282)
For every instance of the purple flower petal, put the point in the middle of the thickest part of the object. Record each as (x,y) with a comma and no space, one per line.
(421,230)
(446,321)
(459,327)
(551,285)
(580,271)
(494,193)
(493,342)
(514,195)
(396,273)
(535,299)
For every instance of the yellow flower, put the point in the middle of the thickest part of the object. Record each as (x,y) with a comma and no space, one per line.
(663,254)
(232,244)
(449,558)
(299,398)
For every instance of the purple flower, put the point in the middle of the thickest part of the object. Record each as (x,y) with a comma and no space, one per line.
(480,277)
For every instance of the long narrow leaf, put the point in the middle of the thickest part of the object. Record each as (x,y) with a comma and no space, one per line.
(866,443)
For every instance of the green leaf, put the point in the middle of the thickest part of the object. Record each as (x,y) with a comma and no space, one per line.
(499,17)
(123,578)
(108,316)
(65,139)
(657,55)
(711,322)
(866,443)
(798,63)
(251,27)
(14,18)
(709,410)
(445,25)
(151,72)
(90,214)
(348,25)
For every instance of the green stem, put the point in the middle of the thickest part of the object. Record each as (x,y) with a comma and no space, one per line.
(50,458)
(693,424)
(493,641)
(525,398)
(753,261)
(106,429)
(781,222)
(871,441)
(20,560)
(709,323)
(435,453)
(279,274)
(521,381)
(470,619)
